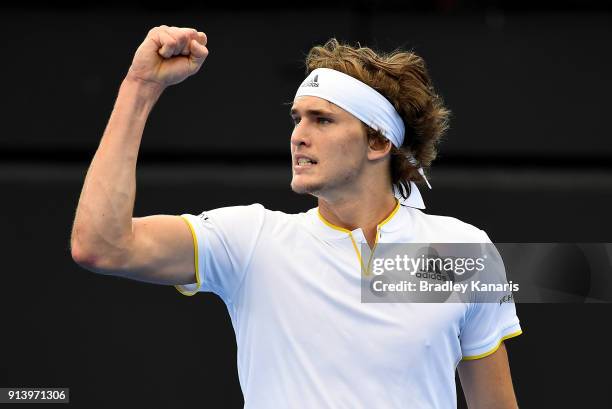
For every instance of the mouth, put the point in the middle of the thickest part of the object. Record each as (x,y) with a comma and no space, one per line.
(303,162)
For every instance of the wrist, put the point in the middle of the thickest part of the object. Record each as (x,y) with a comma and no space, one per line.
(144,88)
(138,96)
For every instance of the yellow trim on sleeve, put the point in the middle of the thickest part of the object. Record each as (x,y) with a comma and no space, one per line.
(471,358)
(196,262)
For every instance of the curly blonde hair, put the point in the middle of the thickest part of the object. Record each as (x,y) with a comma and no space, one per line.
(401,77)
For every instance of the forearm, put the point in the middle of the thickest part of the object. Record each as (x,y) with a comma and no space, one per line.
(103,223)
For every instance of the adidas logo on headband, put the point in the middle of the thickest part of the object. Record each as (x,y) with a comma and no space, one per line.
(312,83)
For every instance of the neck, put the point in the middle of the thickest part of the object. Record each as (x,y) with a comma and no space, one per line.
(361,211)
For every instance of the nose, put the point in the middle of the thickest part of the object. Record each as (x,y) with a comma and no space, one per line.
(299,136)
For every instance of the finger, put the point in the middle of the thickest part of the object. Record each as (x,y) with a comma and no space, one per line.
(183,37)
(168,42)
(197,55)
(153,36)
(187,47)
(190,34)
(202,38)
(198,50)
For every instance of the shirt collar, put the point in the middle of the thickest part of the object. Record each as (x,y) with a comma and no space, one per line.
(398,219)
(414,199)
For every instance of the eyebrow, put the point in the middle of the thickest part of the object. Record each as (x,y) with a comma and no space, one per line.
(312,112)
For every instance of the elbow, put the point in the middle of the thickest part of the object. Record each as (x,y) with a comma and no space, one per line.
(81,248)
(84,258)
(97,261)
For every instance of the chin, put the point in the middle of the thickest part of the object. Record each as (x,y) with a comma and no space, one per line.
(303,188)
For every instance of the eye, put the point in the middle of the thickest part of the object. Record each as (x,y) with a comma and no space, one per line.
(295,120)
(323,120)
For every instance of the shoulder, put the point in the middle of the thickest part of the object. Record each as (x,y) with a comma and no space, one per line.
(252,215)
(281,223)
(446,228)
(234,214)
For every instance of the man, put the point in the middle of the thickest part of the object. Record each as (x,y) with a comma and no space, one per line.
(365,125)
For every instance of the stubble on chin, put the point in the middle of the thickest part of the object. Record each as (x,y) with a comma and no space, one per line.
(306,188)
(318,189)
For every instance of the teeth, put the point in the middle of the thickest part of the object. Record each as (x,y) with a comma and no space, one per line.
(304,161)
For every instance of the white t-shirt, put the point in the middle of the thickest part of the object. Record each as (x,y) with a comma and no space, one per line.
(292,286)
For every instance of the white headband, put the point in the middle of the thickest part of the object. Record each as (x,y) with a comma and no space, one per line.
(367,105)
(357,98)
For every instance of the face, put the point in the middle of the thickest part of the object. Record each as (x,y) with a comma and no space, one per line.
(328,148)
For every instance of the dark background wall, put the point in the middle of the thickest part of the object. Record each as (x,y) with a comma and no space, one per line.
(527,159)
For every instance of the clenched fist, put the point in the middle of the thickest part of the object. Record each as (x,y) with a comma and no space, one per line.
(168,55)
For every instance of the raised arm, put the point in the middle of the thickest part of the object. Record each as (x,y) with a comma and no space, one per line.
(105,237)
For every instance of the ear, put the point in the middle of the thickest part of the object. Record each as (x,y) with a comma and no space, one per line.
(378,148)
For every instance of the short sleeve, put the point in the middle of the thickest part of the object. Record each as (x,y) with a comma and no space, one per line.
(224,242)
(486,326)
(488,323)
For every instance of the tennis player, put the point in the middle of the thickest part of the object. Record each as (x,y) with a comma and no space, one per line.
(366,125)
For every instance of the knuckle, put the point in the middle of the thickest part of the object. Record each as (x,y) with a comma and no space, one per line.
(157,29)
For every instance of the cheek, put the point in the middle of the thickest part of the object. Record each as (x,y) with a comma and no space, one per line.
(344,149)
(340,154)
(351,149)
